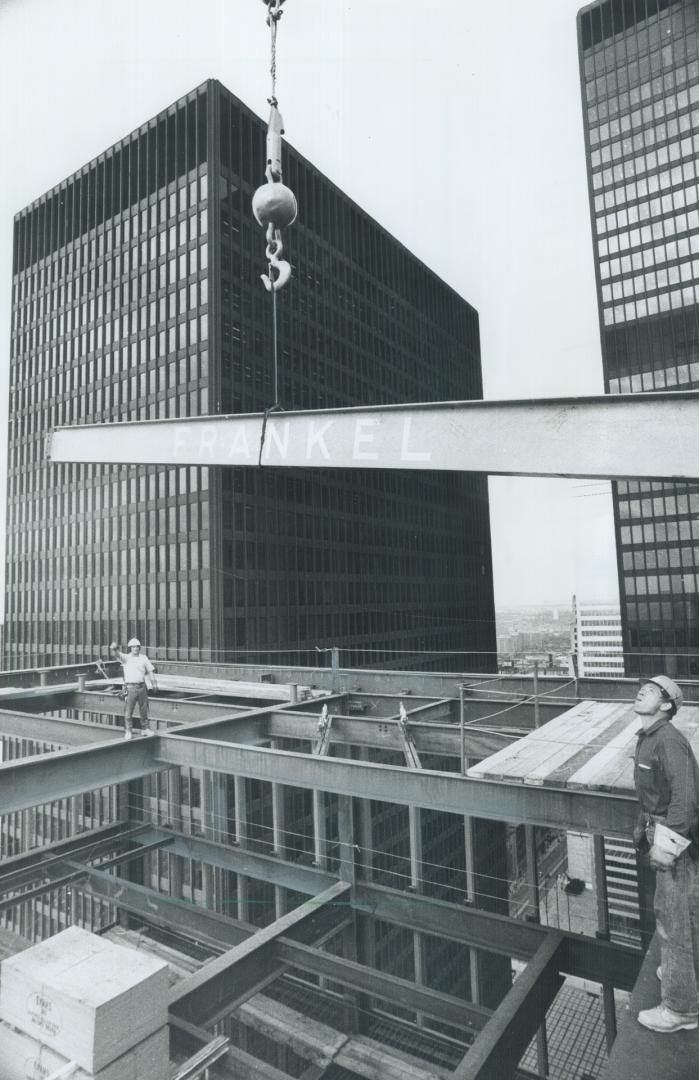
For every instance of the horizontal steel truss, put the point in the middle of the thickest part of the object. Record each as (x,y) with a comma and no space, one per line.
(643,436)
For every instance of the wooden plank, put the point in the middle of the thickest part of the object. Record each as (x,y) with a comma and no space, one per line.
(589,732)
(308,1038)
(513,761)
(612,768)
(233,688)
(555,742)
(370,1059)
(605,771)
(617,722)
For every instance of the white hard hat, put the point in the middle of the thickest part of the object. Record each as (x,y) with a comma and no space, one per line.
(134,641)
(669,688)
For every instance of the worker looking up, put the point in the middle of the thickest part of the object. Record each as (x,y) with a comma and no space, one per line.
(666,776)
(137,669)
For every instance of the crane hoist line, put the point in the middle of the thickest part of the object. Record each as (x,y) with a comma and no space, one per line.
(274,206)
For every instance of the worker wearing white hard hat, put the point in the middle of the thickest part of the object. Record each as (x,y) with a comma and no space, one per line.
(138,671)
(666,776)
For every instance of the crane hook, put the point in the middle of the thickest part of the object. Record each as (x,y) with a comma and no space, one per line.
(273,251)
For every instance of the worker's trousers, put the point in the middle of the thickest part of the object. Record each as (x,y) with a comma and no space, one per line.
(677,923)
(136,694)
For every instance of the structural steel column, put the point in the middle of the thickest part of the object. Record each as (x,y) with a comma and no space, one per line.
(348,873)
(534,915)
(174,811)
(278,836)
(603,933)
(471,898)
(366,931)
(241,827)
(320,831)
(416,876)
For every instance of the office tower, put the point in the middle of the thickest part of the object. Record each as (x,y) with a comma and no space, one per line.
(136,295)
(596,639)
(640,88)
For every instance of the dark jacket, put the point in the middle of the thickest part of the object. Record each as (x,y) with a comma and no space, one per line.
(666,775)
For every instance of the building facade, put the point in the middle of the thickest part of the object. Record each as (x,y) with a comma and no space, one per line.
(639,68)
(136,295)
(596,639)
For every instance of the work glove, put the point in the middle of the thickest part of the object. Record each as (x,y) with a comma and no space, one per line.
(661,860)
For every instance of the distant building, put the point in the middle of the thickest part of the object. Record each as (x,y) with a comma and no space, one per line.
(136,296)
(639,69)
(596,639)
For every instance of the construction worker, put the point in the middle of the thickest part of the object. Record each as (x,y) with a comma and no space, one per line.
(137,670)
(666,776)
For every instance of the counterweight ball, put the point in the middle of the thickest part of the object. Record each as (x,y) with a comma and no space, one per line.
(274,204)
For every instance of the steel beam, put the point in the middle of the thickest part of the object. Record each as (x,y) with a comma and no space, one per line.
(280,950)
(54,729)
(240,860)
(229,980)
(496,1051)
(160,708)
(443,1007)
(216,932)
(432,738)
(44,778)
(588,958)
(59,874)
(616,436)
(92,839)
(558,808)
(51,861)
(238,1064)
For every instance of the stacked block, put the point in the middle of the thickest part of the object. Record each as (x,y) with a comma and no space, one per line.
(78,998)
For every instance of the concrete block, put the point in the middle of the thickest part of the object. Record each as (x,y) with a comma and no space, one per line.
(84,997)
(23,1058)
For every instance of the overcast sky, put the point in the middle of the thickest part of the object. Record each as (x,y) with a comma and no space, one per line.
(456,125)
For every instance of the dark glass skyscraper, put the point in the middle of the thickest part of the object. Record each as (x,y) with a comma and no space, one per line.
(136,295)
(639,68)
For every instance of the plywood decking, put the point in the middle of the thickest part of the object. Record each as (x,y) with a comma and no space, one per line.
(589,747)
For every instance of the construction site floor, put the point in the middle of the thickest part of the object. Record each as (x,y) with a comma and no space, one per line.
(639,1054)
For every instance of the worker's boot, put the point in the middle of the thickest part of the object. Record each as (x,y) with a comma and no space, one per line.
(128,730)
(665,1020)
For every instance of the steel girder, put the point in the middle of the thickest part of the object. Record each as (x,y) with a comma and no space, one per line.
(44,778)
(642,436)
(382,733)
(232,978)
(587,958)
(496,1050)
(203,998)
(19,870)
(55,730)
(172,710)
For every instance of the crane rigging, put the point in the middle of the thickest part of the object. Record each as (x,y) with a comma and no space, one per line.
(648,436)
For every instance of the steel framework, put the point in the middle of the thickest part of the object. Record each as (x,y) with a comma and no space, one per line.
(228,739)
